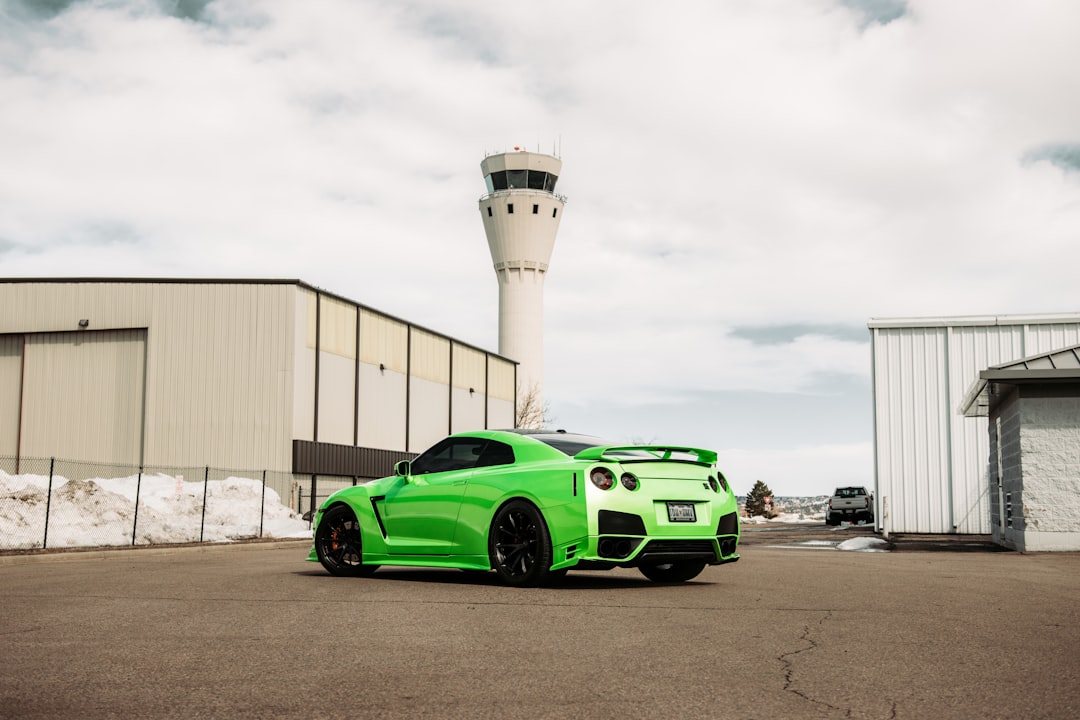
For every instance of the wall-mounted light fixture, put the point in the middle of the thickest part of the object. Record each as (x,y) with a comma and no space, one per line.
(84,323)
(472,391)
(382,368)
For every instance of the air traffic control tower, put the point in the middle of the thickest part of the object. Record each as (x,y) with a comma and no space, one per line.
(521,215)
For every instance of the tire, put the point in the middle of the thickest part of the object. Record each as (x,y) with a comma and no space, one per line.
(519,545)
(674,572)
(339,544)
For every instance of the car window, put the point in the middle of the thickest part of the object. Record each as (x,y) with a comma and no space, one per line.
(572,444)
(496,453)
(455,453)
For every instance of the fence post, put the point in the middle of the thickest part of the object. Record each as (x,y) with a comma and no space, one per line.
(262,505)
(48,504)
(202,523)
(135,520)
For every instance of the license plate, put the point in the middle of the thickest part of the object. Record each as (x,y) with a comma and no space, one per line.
(681,512)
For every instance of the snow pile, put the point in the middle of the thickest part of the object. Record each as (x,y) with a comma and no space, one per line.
(864,544)
(788,518)
(102,511)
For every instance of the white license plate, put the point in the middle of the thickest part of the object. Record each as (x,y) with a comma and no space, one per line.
(681,512)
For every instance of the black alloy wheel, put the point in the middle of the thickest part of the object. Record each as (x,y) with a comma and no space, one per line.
(673,572)
(519,545)
(339,544)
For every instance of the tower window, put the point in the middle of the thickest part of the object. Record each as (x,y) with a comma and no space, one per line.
(510,208)
(554,212)
(536,209)
(520,179)
(489,211)
(516,178)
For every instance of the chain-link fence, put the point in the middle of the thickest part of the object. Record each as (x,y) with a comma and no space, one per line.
(54,503)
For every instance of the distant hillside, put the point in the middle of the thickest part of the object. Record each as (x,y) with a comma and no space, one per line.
(803,508)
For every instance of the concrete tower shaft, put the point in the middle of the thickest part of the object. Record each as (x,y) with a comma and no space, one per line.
(521,215)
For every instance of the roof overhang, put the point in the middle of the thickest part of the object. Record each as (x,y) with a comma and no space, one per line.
(979,398)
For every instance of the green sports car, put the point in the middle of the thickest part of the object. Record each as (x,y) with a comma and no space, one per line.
(531,505)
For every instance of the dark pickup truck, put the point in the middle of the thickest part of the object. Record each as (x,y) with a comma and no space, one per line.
(851,504)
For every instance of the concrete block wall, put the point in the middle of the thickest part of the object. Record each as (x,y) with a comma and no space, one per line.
(1050,443)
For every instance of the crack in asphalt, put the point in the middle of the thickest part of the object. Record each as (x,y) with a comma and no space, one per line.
(789,669)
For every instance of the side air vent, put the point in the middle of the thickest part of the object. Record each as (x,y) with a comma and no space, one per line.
(729,525)
(618,523)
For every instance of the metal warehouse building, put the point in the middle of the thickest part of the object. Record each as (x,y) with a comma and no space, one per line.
(930,462)
(245,374)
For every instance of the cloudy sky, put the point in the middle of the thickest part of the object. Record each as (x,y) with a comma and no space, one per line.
(748,181)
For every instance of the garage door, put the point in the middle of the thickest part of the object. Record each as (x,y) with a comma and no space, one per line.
(82,396)
(10,389)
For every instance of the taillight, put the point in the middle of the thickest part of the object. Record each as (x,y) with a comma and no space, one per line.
(602,478)
(629,481)
(723,480)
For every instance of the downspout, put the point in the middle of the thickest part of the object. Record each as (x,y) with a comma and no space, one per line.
(356,385)
(408,381)
(315,424)
(948,430)
(450,394)
(142,439)
(873,412)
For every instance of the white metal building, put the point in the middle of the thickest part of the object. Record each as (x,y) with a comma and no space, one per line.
(246,374)
(930,462)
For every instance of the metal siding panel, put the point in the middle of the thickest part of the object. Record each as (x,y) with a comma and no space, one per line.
(468,410)
(83,396)
(500,414)
(971,350)
(220,381)
(337,328)
(381,415)
(1045,338)
(384,341)
(501,382)
(336,392)
(912,467)
(430,357)
(303,425)
(429,414)
(468,366)
(10,390)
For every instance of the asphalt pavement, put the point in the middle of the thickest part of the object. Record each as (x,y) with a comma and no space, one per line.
(795,629)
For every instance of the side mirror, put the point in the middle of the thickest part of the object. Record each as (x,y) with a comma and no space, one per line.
(403,468)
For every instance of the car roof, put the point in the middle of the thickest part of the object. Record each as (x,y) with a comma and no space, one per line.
(545,440)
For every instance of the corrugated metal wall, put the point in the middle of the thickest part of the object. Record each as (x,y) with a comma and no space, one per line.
(229,372)
(930,461)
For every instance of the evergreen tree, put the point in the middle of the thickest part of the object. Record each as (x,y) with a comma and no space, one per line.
(755,500)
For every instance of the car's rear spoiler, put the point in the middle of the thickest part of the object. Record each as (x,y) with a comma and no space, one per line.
(659,453)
